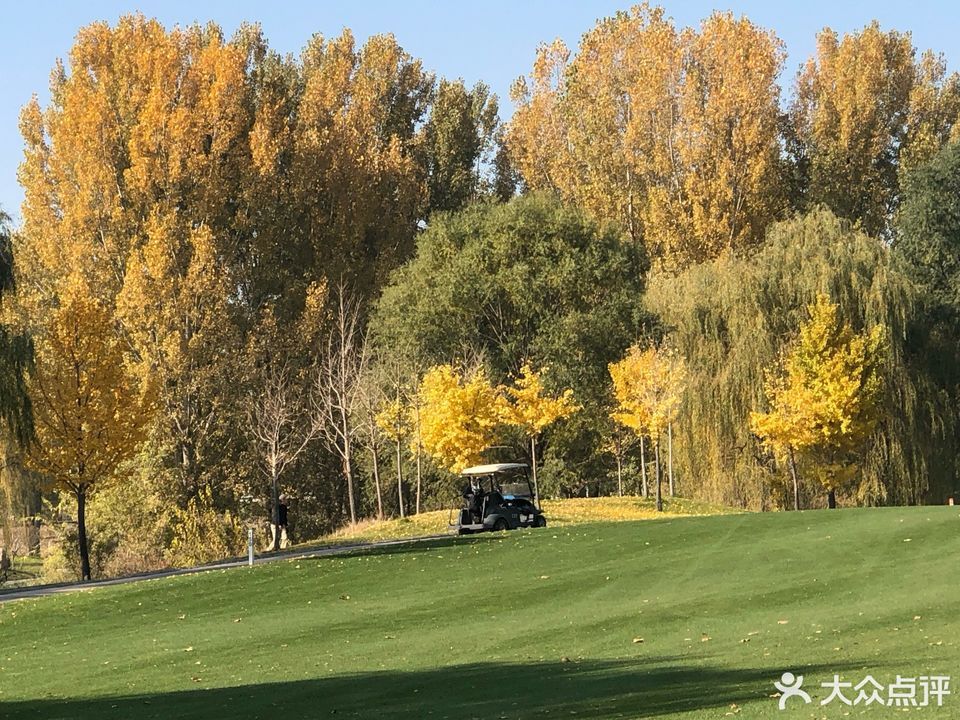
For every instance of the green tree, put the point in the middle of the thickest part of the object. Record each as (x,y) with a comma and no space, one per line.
(18,493)
(928,229)
(458,137)
(16,353)
(530,279)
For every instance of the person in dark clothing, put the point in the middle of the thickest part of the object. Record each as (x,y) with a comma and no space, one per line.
(473,497)
(282,522)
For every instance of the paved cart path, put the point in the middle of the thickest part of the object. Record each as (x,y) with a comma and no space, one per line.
(42,590)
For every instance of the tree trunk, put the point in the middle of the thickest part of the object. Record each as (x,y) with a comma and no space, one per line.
(376,483)
(670,455)
(792,463)
(656,450)
(276,507)
(82,533)
(348,473)
(418,479)
(419,458)
(643,468)
(400,477)
(619,475)
(533,463)
(832,499)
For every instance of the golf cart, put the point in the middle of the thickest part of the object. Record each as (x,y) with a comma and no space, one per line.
(497,497)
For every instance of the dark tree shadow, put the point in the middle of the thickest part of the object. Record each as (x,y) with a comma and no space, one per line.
(416,546)
(636,688)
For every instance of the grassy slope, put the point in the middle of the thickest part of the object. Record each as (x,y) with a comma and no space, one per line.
(560,513)
(531,624)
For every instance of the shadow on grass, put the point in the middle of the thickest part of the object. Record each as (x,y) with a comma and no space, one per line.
(412,545)
(637,688)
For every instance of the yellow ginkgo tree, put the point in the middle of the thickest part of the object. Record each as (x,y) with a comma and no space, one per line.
(89,413)
(532,409)
(825,404)
(648,384)
(459,415)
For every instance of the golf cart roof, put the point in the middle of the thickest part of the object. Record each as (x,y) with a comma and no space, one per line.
(493,469)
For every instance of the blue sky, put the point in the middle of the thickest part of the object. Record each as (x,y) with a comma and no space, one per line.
(492,40)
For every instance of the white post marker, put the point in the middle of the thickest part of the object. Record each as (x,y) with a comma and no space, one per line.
(250,547)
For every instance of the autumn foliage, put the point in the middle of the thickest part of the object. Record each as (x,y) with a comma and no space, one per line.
(672,132)
(461,414)
(826,403)
(756,271)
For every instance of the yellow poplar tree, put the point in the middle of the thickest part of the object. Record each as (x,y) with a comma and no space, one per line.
(648,384)
(532,410)
(537,134)
(459,415)
(866,108)
(89,413)
(139,160)
(357,123)
(826,404)
(174,306)
(671,132)
(727,142)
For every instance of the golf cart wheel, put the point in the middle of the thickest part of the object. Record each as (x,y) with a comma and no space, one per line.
(540,521)
(501,525)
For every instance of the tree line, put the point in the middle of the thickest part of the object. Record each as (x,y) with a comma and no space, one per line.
(240,273)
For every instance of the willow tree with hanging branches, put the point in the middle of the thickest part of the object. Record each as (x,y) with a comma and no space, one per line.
(16,412)
(16,353)
(731,317)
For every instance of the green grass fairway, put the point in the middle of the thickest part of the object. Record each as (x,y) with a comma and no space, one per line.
(534,624)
